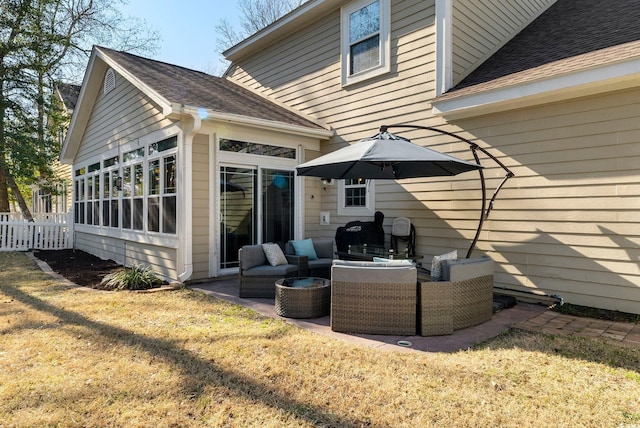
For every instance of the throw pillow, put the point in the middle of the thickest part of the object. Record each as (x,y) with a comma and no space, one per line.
(436,264)
(305,247)
(274,254)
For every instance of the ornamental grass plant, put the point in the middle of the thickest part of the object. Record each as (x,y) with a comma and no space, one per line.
(131,278)
(79,357)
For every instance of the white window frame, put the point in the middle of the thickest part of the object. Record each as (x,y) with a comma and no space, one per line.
(367,210)
(152,237)
(384,47)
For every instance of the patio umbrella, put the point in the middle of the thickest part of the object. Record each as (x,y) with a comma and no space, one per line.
(385,156)
(388,156)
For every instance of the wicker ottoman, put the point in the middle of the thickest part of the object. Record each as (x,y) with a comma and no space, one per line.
(303,297)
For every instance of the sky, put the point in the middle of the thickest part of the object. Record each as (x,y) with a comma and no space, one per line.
(187,29)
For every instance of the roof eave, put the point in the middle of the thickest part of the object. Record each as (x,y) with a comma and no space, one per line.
(306,13)
(592,81)
(72,138)
(217,116)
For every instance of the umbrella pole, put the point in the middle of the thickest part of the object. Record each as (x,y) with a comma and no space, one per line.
(484,213)
(484,202)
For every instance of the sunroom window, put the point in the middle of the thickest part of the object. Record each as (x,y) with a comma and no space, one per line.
(134,191)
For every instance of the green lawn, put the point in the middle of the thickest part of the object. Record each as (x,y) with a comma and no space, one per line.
(86,358)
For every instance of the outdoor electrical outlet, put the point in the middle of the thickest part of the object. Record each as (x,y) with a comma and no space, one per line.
(325,217)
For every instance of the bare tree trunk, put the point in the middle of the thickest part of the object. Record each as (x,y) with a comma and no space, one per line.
(4,193)
(18,194)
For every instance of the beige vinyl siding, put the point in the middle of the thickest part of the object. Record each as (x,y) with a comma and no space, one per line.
(200,207)
(568,224)
(315,202)
(122,115)
(303,72)
(63,172)
(161,260)
(481,27)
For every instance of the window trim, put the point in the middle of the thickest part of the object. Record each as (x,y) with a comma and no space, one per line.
(384,47)
(367,210)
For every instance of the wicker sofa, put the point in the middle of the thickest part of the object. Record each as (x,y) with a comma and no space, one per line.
(373,298)
(321,267)
(257,276)
(463,298)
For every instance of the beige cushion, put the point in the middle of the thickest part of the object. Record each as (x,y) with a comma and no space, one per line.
(436,264)
(464,269)
(274,254)
(372,272)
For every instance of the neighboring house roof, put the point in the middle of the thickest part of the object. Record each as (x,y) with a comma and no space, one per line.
(69,95)
(571,37)
(181,91)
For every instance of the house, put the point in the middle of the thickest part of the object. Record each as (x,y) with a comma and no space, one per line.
(177,169)
(55,197)
(551,88)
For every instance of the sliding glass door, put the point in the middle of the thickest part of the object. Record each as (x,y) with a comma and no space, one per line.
(256,205)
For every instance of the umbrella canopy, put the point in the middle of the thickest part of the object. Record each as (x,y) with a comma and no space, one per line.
(385,156)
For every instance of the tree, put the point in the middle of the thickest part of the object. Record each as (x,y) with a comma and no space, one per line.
(42,41)
(255,15)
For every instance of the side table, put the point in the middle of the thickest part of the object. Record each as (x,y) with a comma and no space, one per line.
(303,297)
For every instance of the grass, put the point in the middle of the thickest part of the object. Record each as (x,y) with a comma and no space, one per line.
(73,357)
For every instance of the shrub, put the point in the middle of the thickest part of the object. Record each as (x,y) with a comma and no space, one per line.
(133,278)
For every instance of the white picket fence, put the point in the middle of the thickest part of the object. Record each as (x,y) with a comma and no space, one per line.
(47,232)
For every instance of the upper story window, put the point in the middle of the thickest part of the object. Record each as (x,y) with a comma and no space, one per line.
(365,40)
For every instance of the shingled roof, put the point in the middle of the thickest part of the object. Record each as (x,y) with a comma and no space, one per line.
(69,94)
(196,89)
(571,35)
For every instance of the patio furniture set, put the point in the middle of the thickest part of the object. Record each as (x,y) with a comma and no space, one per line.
(367,297)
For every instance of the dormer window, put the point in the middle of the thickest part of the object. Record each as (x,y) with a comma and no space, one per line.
(109,81)
(365,40)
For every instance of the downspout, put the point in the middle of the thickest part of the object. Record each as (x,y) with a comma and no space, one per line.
(185,152)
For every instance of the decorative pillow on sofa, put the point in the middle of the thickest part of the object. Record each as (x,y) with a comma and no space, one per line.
(305,247)
(436,264)
(274,254)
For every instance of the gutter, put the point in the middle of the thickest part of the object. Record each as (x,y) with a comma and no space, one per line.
(211,115)
(185,153)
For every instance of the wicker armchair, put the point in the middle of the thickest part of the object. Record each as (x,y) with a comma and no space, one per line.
(463,298)
(373,298)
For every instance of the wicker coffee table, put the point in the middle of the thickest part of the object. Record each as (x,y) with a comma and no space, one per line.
(303,297)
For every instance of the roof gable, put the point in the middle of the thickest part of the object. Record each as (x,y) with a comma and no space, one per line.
(180,91)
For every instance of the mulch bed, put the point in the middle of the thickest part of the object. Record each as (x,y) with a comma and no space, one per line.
(79,267)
